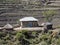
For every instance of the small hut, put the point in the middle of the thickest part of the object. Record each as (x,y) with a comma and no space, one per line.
(29,22)
(47,25)
(8,27)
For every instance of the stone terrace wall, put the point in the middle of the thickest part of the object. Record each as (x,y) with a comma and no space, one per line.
(12,13)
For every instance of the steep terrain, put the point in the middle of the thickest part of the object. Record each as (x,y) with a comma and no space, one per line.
(11,12)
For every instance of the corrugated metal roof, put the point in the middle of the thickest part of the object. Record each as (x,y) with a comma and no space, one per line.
(47,23)
(28,19)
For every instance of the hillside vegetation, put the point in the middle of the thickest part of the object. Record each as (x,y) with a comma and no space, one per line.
(10,37)
(29,38)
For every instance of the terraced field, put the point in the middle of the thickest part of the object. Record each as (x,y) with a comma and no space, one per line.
(11,13)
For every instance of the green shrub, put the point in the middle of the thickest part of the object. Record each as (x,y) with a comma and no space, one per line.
(43,43)
(19,36)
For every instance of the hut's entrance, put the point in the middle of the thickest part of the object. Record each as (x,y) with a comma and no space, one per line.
(30,24)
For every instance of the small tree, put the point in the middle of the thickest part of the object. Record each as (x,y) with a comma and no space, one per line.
(49,15)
